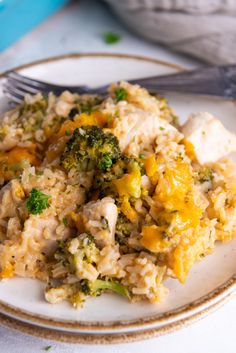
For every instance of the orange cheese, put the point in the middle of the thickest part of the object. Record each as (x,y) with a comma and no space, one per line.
(175,208)
(11,162)
(17,154)
(153,238)
(151,167)
(129,184)
(7,271)
(128,210)
(189,149)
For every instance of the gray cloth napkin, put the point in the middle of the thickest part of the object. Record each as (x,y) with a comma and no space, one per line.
(203,28)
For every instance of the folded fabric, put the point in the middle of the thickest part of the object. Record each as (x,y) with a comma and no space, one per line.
(205,29)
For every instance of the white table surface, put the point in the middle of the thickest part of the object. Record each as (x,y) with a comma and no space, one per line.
(78,28)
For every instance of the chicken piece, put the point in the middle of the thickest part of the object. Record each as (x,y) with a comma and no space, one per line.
(137,130)
(99,218)
(208,137)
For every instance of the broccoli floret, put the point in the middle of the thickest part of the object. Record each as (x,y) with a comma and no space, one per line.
(98,286)
(90,148)
(85,244)
(71,251)
(37,202)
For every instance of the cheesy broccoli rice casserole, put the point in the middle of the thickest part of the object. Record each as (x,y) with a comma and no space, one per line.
(111,194)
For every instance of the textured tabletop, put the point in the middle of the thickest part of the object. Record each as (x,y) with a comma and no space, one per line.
(79,28)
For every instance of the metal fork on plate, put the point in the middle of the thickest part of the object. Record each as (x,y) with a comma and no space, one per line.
(217,81)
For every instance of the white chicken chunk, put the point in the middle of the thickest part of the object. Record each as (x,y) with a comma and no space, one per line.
(138,129)
(210,139)
(100,218)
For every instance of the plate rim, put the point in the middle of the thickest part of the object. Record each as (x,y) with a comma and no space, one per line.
(92,54)
(92,339)
(193,309)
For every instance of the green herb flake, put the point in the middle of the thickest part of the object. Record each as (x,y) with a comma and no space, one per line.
(37,202)
(68,133)
(121,94)
(47,348)
(30,175)
(162,128)
(141,156)
(111,37)
(65,221)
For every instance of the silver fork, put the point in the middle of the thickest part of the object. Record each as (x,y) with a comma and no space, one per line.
(217,81)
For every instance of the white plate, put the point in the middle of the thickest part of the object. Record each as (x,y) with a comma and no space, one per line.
(210,282)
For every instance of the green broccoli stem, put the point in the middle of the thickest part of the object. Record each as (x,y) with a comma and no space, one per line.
(95,288)
(111,285)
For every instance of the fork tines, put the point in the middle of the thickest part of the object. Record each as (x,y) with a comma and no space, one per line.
(17,86)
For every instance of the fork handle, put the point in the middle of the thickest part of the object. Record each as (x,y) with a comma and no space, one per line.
(212,80)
